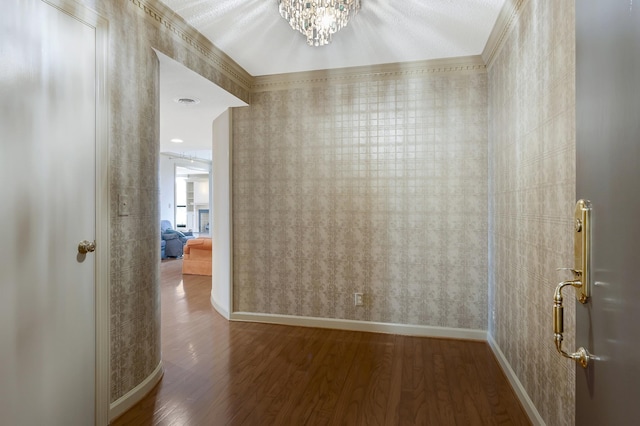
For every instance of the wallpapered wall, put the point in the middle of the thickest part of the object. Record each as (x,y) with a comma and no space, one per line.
(532,193)
(134,29)
(374,184)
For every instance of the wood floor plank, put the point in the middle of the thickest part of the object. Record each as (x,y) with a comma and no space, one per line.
(392,415)
(233,373)
(282,376)
(323,380)
(419,403)
(363,382)
(378,384)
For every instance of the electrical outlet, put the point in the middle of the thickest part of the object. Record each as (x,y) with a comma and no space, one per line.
(358,299)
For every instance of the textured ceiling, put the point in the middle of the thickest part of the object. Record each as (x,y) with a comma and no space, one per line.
(253,34)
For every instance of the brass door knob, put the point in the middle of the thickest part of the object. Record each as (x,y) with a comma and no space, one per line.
(86,247)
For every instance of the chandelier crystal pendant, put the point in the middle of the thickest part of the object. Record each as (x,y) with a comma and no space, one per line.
(318,19)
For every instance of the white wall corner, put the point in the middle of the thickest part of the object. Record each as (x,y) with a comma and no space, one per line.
(517,386)
(221,232)
(219,308)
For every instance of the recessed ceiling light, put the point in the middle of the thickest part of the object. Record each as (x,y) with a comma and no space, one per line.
(187,101)
(176,140)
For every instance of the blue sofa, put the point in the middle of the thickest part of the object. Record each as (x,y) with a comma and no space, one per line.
(172,244)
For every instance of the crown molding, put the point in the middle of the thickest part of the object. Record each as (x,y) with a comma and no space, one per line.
(508,16)
(460,65)
(163,16)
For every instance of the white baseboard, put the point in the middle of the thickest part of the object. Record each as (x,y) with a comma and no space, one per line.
(520,391)
(219,308)
(134,396)
(353,325)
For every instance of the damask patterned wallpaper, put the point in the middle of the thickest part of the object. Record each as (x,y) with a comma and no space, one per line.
(532,193)
(135,28)
(374,184)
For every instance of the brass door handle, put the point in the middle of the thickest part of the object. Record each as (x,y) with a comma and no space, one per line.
(581,355)
(86,247)
(581,281)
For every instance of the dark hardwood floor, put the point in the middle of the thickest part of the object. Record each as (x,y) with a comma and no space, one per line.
(222,373)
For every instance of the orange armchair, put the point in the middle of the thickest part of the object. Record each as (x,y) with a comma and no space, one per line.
(197,257)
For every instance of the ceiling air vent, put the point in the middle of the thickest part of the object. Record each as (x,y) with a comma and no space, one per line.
(187,101)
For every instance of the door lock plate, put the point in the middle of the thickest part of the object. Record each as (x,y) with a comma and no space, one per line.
(582,249)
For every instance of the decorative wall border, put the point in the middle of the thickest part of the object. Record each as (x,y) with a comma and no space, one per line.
(170,20)
(507,18)
(164,16)
(460,65)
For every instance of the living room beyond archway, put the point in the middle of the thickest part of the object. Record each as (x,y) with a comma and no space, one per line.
(194,141)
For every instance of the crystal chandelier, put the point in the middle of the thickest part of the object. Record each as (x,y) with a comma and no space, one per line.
(318,19)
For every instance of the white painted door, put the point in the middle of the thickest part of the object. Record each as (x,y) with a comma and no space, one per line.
(47,198)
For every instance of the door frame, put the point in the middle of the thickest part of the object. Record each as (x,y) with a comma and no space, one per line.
(102,274)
